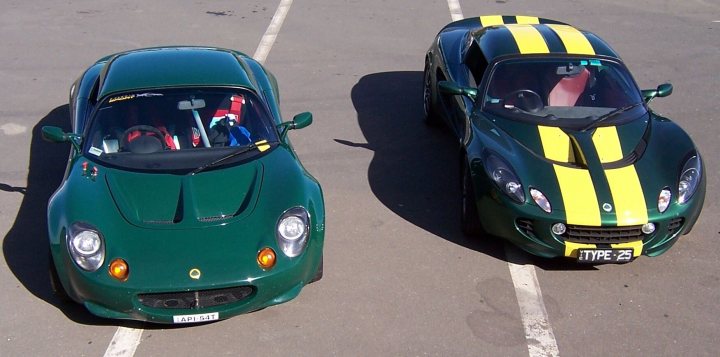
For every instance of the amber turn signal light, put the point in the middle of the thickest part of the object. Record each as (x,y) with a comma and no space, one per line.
(266,258)
(119,269)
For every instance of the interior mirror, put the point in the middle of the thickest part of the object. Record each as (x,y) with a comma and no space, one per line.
(191,104)
(54,134)
(448,87)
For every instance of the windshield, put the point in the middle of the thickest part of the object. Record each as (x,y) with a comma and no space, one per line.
(574,93)
(176,129)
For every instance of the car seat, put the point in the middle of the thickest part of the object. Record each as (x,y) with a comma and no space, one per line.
(567,91)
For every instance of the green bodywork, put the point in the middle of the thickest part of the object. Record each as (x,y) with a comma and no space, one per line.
(164,224)
(657,147)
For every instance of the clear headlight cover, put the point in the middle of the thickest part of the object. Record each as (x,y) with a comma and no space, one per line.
(292,231)
(664,199)
(540,200)
(504,177)
(689,179)
(86,246)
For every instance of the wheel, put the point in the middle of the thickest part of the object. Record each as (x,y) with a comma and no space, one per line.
(470,219)
(318,273)
(143,139)
(431,117)
(55,285)
(525,99)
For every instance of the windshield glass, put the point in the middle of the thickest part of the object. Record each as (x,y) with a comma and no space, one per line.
(563,92)
(176,129)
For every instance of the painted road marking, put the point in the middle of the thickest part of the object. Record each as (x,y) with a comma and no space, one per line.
(455,10)
(272,31)
(12,129)
(124,343)
(538,332)
(126,340)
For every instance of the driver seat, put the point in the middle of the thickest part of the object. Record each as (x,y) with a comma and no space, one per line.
(568,90)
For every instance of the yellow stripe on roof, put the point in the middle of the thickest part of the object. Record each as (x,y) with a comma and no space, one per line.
(556,144)
(578,194)
(528,39)
(607,144)
(486,21)
(527,20)
(575,41)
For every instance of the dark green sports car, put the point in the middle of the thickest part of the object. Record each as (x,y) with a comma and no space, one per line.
(183,200)
(560,153)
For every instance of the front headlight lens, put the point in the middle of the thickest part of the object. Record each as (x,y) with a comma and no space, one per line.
(689,179)
(86,246)
(540,200)
(292,231)
(504,177)
(664,199)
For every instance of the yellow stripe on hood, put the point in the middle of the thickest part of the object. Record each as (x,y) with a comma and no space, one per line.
(486,21)
(576,186)
(625,187)
(575,41)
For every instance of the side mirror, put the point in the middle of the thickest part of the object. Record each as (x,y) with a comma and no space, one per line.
(302,120)
(54,134)
(662,90)
(448,87)
(299,121)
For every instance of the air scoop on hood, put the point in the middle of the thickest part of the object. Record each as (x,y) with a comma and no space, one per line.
(184,200)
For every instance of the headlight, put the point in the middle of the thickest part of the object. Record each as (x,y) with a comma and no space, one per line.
(689,179)
(664,199)
(292,231)
(540,200)
(86,246)
(504,177)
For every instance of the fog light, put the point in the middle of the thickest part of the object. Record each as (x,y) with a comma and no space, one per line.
(648,228)
(559,229)
(119,269)
(266,258)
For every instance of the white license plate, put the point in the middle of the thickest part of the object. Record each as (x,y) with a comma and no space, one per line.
(188,319)
(605,255)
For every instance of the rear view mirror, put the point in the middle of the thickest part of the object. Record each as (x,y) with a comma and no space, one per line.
(302,120)
(191,104)
(448,87)
(54,134)
(662,90)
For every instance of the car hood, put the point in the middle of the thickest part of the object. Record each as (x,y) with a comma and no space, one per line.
(181,201)
(605,175)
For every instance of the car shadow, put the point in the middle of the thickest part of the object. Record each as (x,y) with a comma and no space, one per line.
(414,171)
(25,247)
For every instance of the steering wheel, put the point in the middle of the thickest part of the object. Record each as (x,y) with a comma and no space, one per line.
(143,139)
(525,99)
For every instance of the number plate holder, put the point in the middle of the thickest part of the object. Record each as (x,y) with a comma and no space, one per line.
(607,255)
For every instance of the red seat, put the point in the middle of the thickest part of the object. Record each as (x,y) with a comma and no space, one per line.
(568,90)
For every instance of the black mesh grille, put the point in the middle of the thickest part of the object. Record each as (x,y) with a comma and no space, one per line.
(603,235)
(675,224)
(196,299)
(526,226)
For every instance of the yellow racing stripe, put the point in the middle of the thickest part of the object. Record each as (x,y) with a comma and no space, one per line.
(636,246)
(528,39)
(571,249)
(578,194)
(486,21)
(575,41)
(556,144)
(625,188)
(527,20)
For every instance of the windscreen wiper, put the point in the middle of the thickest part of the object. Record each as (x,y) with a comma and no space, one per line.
(261,146)
(610,115)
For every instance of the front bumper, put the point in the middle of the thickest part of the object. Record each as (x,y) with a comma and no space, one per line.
(529,228)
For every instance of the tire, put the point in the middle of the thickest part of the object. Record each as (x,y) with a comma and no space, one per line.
(55,284)
(469,215)
(431,117)
(318,273)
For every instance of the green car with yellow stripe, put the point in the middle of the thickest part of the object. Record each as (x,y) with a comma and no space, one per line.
(559,152)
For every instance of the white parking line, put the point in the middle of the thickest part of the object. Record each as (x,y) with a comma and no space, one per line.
(126,340)
(455,10)
(538,332)
(124,343)
(271,33)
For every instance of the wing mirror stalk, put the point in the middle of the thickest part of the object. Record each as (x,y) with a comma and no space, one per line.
(448,87)
(298,122)
(662,90)
(54,134)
